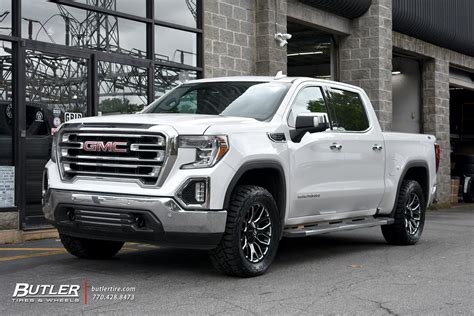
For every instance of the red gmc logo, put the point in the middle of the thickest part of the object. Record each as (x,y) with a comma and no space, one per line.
(105,146)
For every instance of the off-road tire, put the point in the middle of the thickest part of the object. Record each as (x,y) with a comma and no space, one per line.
(228,257)
(397,233)
(90,248)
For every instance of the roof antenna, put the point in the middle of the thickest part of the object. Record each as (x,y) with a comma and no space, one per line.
(279,75)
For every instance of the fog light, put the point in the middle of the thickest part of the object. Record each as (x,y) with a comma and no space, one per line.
(200,192)
(194,193)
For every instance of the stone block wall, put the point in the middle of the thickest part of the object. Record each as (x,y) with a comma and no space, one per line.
(436,118)
(270,19)
(366,58)
(229,37)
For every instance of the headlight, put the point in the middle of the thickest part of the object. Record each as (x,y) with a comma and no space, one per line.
(209,149)
(54,146)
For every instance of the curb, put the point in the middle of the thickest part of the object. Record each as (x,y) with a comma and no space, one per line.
(18,236)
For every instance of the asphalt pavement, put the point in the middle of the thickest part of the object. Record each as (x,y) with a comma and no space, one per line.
(352,272)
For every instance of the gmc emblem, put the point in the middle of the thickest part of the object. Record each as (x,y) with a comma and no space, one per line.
(105,146)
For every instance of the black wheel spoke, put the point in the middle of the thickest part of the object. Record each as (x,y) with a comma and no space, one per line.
(256,233)
(413,214)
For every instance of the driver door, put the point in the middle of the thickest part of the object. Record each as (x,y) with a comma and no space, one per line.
(316,165)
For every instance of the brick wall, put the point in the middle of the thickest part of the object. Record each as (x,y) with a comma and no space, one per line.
(436,118)
(229,37)
(270,20)
(366,58)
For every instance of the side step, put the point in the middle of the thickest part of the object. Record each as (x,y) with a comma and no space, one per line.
(336,226)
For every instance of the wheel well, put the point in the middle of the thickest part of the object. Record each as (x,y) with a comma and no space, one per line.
(420,175)
(270,178)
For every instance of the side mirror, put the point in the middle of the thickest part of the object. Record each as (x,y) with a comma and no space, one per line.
(311,122)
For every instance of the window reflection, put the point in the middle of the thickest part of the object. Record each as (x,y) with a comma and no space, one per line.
(56,91)
(175,46)
(182,12)
(167,78)
(6,107)
(135,7)
(122,88)
(5,17)
(53,23)
(348,112)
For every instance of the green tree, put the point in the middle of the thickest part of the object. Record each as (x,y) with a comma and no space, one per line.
(117,105)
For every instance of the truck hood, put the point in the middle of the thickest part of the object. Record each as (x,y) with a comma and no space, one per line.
(182,123)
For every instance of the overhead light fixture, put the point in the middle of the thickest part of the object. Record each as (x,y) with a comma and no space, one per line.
(396,72)
(306,53)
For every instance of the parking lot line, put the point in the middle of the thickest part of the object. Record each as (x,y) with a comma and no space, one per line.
(40,254)
(31,249)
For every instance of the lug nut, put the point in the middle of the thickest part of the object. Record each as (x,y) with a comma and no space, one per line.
(71,215)
(140,221)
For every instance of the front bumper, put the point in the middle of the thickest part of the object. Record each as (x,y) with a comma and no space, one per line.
(132,218)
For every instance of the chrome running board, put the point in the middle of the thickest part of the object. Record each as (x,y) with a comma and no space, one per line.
(335,226)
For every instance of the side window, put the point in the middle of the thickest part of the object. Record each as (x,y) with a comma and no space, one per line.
(309,99)
(347,111)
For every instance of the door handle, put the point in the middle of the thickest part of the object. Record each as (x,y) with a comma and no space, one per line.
(377,147)
(336,146)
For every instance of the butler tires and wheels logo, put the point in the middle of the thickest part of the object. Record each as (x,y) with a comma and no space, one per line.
(47,293)
(71,293)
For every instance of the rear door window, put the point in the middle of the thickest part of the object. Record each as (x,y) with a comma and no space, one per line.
(347,111)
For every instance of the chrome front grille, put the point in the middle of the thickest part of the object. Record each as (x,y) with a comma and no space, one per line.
(129,156)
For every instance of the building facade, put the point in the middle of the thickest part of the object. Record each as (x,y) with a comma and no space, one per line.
(63,59)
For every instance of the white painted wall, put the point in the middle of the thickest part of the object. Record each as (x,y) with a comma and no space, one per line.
(406,96)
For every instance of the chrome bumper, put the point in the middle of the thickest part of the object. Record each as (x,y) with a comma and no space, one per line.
(171,223)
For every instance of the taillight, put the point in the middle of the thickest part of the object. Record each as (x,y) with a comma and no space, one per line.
(438,155)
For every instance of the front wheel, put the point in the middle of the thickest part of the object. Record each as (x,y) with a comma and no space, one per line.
(409,216)
(252,234)
(90,248)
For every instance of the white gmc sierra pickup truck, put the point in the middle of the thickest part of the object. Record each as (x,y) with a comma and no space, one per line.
(233,165)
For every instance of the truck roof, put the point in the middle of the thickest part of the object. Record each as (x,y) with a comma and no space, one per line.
(270,79)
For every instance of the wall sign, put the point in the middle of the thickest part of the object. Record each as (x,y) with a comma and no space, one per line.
(7,186)
(71,116)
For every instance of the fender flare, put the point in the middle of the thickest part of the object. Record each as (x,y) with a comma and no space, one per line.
(260,164)
(408,166)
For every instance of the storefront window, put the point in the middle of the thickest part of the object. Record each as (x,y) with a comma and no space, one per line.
(182,12)
(6,106)
(56,91)
(136,7)
(122,88)
(175,46)
(5,17)
(49,22)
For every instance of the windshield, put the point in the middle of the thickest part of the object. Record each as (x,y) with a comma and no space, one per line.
(245,99)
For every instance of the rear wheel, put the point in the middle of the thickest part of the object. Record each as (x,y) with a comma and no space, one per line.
(252,234)
(409,216)
(90,248)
